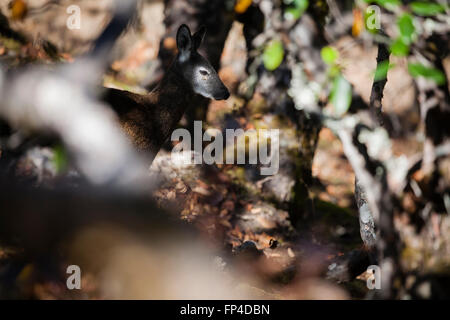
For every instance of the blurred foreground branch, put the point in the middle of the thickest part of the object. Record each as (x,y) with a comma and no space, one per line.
(61,102)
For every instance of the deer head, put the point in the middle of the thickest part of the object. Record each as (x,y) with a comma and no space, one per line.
(194,68)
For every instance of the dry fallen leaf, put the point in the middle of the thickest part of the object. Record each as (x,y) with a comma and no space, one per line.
(18,9)
(358,23)
(242,6)
(202,191)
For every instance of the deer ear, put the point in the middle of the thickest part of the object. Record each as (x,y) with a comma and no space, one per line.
(184,41)
(198,37)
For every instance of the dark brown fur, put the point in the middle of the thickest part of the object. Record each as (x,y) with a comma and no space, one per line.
(150,119)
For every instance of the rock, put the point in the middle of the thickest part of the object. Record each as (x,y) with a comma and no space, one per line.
(263,217)
(248,249)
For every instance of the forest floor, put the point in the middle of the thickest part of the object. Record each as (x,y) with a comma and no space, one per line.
(219,200)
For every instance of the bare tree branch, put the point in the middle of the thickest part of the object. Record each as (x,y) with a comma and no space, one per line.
(376,95)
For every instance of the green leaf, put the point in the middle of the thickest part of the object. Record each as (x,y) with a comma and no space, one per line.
(388,4)
(426,8)
(297,8)
(399,48)
(329,54)
(292,13)
(419,70)
(382,70)
(334,71)
(59,158)
(406,27)
(341,95)
(372,20)
(301,4)
(273,55)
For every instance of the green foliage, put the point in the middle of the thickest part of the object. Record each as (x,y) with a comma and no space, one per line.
(295,8)
(301,4)
(382,70)
(369,17)
(406,26)
(273,55)
(341,95)
(60,158)
(419,70)
(426,8)
(329,55)
(399,48)
(388,4)
(341,91)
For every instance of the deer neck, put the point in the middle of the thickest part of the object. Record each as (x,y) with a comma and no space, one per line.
(173,93)
(168,102)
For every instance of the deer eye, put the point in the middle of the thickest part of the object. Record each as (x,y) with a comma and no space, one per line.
(204,72)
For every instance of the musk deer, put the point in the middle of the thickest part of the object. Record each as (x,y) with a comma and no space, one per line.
(150,119)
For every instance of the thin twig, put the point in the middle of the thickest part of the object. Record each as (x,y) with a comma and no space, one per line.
(376,95)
